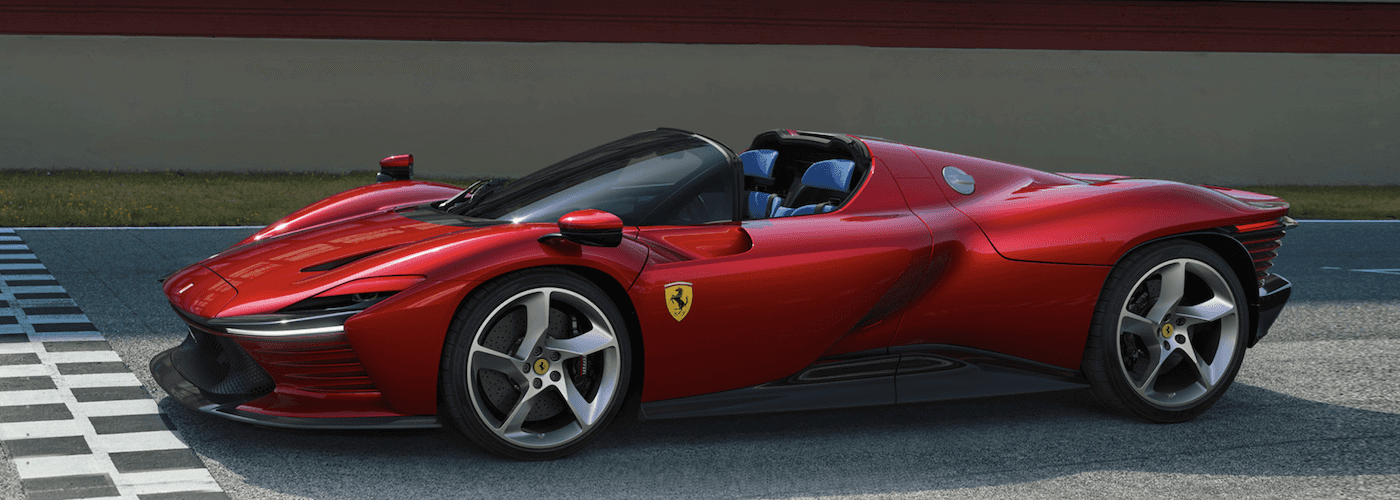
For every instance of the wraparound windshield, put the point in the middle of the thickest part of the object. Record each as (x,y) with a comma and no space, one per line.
(657,177)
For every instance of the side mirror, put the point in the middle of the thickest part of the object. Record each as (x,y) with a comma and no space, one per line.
(594,228)
(395,168)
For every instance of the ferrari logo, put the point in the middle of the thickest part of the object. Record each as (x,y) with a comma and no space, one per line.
(678,298)
(541,366)
(1167,331)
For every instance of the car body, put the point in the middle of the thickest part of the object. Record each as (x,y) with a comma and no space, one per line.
(813,271)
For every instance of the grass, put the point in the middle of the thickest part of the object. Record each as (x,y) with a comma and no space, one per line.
(1337,202)
(33,198)
(30,198)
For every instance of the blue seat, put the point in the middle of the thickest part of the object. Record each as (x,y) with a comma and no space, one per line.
(802,210)
(821,181)
(762,205)
(758,167)
(758,163)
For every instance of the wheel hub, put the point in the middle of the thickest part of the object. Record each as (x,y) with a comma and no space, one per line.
(1167,330)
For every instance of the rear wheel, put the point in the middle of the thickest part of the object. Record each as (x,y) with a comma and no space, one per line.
(1169,333)
(536,364)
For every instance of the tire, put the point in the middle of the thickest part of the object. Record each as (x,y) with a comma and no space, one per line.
(535,365)
(1169,333)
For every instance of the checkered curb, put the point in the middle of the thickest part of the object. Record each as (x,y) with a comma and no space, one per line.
(75,420)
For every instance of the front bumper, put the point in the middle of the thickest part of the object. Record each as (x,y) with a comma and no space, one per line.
(214,374)
(1273,295)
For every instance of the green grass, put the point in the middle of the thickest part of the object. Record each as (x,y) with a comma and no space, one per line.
(1337,202)
(30,198)
(35,198)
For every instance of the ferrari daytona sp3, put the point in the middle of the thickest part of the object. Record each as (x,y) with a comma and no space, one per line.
(664,271)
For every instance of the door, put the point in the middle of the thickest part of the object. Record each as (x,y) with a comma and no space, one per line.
(737,304)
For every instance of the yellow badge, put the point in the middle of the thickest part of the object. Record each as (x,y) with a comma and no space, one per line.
(678,298)
(1167,331)
(541,366)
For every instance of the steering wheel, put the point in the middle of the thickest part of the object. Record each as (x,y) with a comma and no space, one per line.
(694,212)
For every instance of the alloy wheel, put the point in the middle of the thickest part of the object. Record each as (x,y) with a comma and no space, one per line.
(1177,333)
(543,368)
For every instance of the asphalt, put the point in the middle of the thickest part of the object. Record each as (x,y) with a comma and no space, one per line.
(1314,413)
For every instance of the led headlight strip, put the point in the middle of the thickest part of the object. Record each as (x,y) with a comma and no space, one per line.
(323,314)
(288,325)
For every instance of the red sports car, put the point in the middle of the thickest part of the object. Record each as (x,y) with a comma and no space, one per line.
(812,271)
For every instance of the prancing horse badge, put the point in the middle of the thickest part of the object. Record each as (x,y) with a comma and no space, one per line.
(678,298)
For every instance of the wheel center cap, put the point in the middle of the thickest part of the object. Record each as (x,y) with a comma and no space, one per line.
(1167,331)
(542,365)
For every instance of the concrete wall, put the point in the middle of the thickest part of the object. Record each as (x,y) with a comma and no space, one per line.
(478,108)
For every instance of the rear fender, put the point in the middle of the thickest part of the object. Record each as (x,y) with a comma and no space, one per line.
(1236,255)
(1099,223)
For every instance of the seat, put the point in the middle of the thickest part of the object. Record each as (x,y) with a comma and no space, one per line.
(758,163)
(824,186)
(758,170)
(762,205)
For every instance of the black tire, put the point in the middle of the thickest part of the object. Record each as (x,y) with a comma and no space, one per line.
(1158,360)
(544,402)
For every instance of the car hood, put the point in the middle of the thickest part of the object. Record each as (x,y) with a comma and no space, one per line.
(268,275)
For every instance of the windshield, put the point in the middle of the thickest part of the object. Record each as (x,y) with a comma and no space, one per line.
(658,177)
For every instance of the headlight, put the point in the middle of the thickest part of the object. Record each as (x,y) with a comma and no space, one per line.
(322,314)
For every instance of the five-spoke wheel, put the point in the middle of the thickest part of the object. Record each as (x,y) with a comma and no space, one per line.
(536,364)
(1169,333)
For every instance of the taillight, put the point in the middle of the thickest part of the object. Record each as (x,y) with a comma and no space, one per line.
(1261,239)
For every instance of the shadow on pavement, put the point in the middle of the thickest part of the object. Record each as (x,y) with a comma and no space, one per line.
(986,442)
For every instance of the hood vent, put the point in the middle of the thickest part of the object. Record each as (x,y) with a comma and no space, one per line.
(326,266)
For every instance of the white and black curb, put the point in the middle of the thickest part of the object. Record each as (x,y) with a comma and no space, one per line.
(75,420)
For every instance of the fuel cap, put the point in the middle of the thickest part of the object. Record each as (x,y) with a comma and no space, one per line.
(958,180)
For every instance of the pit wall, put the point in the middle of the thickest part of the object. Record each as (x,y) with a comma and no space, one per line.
(505,109)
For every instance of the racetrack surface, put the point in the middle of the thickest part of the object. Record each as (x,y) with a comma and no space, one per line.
(1314,413)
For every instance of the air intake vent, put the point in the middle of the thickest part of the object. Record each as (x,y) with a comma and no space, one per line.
(220,368)
(326,365)
(326,266)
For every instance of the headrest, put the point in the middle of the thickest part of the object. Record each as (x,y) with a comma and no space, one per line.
(830,174)
(759,162)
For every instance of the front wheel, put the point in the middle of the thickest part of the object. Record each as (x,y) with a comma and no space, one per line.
(536,364)
(1169,333)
